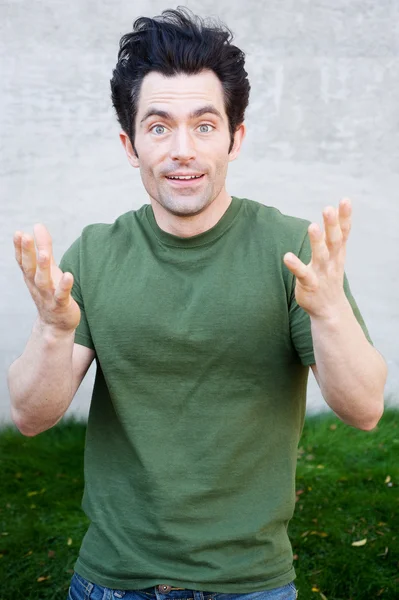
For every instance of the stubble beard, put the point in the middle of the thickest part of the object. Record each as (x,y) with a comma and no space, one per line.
(185,203)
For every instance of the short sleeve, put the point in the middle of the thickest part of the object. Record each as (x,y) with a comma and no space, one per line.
(300,328)
(70,262)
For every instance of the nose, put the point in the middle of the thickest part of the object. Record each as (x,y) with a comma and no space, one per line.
(183,148)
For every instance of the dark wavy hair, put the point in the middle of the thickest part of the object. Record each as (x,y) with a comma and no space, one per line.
(173,43)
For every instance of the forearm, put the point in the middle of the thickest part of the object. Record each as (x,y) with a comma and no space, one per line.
(40,380)
(351,373)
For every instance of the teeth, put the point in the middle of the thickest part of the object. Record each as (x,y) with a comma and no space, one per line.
(185,177)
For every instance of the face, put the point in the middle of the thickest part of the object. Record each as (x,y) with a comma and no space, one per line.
(182,129)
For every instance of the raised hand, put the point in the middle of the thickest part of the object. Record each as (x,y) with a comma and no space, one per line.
(49,287)
(319,285)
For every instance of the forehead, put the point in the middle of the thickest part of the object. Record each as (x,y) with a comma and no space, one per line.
(180,93)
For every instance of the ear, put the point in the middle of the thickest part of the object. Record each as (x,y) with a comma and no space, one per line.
(238,139)
(131,155)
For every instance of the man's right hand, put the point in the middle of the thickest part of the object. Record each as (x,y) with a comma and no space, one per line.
(49,287)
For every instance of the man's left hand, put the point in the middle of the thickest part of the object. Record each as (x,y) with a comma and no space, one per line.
(319,285)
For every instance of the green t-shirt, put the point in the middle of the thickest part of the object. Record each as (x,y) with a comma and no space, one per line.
(199,398)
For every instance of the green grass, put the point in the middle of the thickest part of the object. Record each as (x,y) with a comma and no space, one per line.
(347,485)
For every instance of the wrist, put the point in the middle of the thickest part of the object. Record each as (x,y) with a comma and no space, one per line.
(51,334)
(334,312)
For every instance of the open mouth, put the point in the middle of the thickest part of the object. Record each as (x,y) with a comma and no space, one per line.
(185,180)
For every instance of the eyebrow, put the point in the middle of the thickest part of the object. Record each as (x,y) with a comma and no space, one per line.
(209,108)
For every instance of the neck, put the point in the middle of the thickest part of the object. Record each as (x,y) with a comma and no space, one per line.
(190,225)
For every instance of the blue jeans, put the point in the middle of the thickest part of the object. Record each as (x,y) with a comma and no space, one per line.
(81,589)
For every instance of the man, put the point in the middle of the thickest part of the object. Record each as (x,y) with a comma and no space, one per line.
(203,312)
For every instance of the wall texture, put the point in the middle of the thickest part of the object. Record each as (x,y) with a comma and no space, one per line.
(323,123)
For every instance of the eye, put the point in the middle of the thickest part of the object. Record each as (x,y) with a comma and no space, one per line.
(157,127)
(206,125)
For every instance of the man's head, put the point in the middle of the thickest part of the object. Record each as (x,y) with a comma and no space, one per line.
(180,92)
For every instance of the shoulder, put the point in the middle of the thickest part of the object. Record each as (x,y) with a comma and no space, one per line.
(101,244)
(98,236)
(269,218)
(102,231)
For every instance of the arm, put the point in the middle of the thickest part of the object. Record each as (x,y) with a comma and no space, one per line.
(44,379)
(349,371)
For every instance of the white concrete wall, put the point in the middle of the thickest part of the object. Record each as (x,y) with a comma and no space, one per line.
(323,123)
